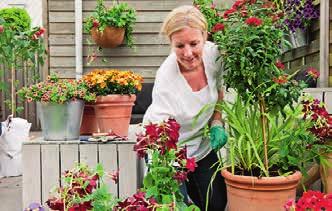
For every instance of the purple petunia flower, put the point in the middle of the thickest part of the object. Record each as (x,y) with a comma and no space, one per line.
(35,206)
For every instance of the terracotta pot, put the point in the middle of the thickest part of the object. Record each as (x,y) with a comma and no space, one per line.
(89,122)
(326,173)
(253,193)
(109,38)
(113,113)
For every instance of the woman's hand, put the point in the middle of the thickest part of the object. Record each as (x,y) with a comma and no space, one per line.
(218,135)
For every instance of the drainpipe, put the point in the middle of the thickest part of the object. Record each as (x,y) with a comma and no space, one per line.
(78,39)
(324,44)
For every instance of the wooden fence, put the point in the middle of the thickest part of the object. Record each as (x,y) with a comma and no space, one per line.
(25,75)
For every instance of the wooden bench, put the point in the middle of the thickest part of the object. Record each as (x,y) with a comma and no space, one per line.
(45,161)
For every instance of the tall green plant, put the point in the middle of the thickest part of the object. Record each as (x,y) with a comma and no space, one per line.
(291,144)
(16,45)
(250,44)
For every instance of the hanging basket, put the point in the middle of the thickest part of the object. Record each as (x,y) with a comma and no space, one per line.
(111,37)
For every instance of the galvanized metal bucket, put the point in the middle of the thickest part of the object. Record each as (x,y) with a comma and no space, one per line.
(60,121)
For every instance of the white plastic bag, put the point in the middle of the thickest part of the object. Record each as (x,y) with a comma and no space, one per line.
(14,132)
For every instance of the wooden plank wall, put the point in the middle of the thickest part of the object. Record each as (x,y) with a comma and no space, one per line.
(149,51)
(44,161)
(330,45)
(25,75)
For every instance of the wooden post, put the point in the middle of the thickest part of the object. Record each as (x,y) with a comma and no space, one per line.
(324,44)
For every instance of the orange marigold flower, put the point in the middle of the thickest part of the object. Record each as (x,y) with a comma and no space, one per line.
(281,79)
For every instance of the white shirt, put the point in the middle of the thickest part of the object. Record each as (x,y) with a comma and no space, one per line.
(172,97)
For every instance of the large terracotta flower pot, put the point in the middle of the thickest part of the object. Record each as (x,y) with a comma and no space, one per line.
(326,173)
(113,113)
(89,122)
(109,38)
(253,193)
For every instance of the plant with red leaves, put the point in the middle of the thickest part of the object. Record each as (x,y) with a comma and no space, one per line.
(310,200)
(315,111)
(168,166)
(80,191)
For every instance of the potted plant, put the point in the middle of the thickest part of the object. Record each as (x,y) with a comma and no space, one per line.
(269,140)
(168,168)
(83,189)
(109,27)
(115,92)
(315,111)
(60,105)
(19,43)
(298,17)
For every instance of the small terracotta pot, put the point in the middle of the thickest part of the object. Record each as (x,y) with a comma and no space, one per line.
(113,113)
(89,122)
(109,38)
(253,193)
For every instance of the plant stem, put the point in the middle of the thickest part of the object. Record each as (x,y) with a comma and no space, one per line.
(13,105)
(264,124)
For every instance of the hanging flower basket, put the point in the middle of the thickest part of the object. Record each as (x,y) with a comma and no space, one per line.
(111,37)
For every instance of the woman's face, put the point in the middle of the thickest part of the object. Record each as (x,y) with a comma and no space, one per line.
(188,46)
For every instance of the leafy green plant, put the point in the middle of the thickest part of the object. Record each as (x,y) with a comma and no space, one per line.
(212,14)
(292,146)
(18,42)
(168,168)
(80,191)
(17,19)
(268,134)
(250,47)
(119,15)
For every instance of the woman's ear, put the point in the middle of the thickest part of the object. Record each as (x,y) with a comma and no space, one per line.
(205,35)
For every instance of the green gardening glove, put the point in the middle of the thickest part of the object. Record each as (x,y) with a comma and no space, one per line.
(218,135)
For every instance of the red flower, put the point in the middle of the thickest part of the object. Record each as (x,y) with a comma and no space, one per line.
(251,1)
(213,6)
(253,21)
(151,131)
(55,204)
(173,124)
(280,65)
(95,23)
(191,164)
(312,72)
(218,27)
(2,28)
(180,176)
(115,176)
(229,12)
(238,4)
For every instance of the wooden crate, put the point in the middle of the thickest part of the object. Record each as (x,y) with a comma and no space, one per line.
(44,161)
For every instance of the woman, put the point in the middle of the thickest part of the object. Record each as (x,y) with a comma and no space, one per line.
(184,84)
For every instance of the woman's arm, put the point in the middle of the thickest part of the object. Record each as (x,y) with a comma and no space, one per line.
(217,115)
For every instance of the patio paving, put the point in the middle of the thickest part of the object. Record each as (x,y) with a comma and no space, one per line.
(11,193)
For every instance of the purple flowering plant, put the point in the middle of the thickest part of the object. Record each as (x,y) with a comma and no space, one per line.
(299,14)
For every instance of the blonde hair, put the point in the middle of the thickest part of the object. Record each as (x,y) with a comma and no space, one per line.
(182,17)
